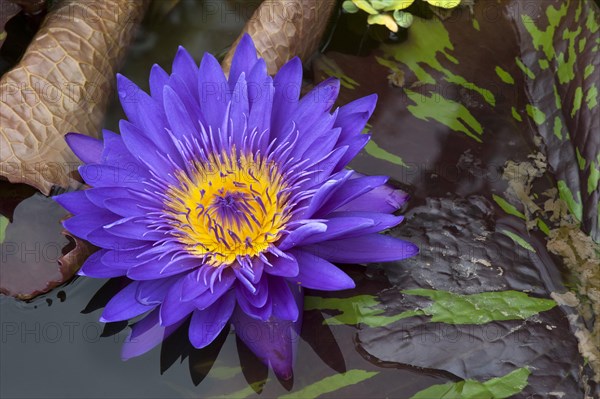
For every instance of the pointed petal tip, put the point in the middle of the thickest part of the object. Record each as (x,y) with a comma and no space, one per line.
(294,63)
(373,98)
(283,372)
(398,198)
(182,55)
(69,135)
(247,41)
(411,250)
(88,149)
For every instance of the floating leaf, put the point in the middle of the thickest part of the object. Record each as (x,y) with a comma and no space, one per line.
(444,3)
(446,307)
(518,240)
(480,308)
(383,19)
(366,6)
(496,388)
(283,29)
(361,309)
(395,5)
(3,225)
(61,85)
(508,207)
(331,384)
(349,6)
(32,250)
(403,19)
(375,151)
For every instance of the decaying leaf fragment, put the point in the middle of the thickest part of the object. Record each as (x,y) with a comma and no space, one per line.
(283,29)
(62,84)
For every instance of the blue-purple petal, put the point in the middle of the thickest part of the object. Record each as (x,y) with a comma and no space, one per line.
(83,224)
(125,305)
(75,202)
(273,342)
(352,189)
(313,105)
(284,267)
(208,297)
(158,79)
(288,84)
(365,249)
(87,148)
(243,60)
(259,312)
(173,310)
(145,335)
(353,116)
(384,198)
(179,118)
(340,227)
(211,89)
(207,324)
(162,267)
(284,304)
(153,292)
(301,234)
(185,66)
(258,298)
(317,273)
(381,221)
(94,267)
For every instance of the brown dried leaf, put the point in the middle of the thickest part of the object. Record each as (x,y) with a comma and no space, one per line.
(283,29)
(62,84)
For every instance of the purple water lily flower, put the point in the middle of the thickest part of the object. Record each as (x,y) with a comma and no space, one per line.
(222,199)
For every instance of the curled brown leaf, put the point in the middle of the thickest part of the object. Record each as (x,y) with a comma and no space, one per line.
(283,29)
(62,84)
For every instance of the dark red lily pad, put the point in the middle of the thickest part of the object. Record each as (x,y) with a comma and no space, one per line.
(37,254)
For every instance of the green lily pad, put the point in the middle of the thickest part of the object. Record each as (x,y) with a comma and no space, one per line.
(496,388)
(3,225)
(481,308)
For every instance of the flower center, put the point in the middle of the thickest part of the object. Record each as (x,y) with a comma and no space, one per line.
(229,206)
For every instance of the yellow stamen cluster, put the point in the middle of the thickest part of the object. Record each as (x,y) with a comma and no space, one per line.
(231,206)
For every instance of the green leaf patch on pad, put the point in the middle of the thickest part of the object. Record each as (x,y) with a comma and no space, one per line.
(447,307)
(331,384)
(496,388)
(482,308)
(3,225)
